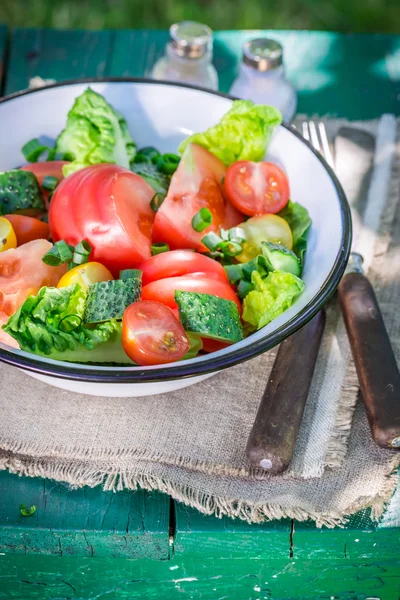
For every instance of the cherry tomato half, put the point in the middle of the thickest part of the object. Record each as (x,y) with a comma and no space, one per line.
(85,275)
(151,334)
(28,229)
(163,290)
(179,262)
(8,239)
(257,188)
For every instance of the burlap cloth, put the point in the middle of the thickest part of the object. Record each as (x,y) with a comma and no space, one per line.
(190,444)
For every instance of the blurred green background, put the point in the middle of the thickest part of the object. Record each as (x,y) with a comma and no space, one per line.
(335,15)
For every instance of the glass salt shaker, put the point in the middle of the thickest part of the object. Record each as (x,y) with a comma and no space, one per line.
(188,56)
(262,77)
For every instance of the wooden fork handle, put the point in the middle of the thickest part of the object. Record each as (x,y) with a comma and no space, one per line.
(273,436)
(374,359)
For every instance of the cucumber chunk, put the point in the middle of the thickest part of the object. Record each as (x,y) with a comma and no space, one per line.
(108,300)
(19,190)
(209,316)
(280,258)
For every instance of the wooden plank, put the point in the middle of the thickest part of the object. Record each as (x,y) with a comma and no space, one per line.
(356,76)
(86,521)
(349,75)
(3,56)
(201,535)
(135,52)
(49,578)
(360,540)
(59,55)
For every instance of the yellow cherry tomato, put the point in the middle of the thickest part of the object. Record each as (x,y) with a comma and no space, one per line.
(85,275)
(264,228)
(8,239)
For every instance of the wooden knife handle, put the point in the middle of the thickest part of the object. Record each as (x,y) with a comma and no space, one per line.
(375,362)
(273,436)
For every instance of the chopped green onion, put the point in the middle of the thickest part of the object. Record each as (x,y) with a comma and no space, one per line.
(159,248)
(202,219)
(214,255)
(234,273)
(59,254)
(52,155)
(256,264)
(168,163)
(244,288)
(156,201)
(249,267)
(227,260)
(224,233)
(50,183)
(212,241)
(27,511)
(33,150)
(237,233)
(69,323)
(151,153)
(81,253)
(230,248)
(130,274)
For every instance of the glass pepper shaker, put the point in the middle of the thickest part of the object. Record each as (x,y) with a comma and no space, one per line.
(188,56)
(262,77)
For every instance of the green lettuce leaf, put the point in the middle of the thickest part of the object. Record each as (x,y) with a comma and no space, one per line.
(242,134)
(95,133)
(271,297)
(41,326)
(299,222)
(196,345)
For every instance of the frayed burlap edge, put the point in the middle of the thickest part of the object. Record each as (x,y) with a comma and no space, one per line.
(80,474)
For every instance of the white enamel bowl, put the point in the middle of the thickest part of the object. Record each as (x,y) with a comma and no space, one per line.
(162,114)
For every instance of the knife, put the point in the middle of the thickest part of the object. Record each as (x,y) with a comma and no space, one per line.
(272,439)
(376,366)
(374,359)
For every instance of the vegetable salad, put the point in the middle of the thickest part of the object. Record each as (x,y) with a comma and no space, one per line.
(114,254)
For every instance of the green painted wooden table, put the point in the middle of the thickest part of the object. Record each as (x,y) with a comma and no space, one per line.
(89,544)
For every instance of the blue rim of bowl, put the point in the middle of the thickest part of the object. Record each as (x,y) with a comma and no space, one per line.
(181,370)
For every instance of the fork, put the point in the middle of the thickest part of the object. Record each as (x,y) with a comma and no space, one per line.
(272,439)
(373,355)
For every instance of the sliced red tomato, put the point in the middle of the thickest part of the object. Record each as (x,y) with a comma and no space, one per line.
(44,169)
(163,290)
(28,229)
(179,262)
(152,335)
(257,188)
(22,274)
(196,183)
(108,206)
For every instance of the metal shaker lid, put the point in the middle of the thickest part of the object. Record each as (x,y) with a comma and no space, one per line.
(263,54)
(190,39)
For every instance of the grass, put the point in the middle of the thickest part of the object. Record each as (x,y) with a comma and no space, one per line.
(335,15)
